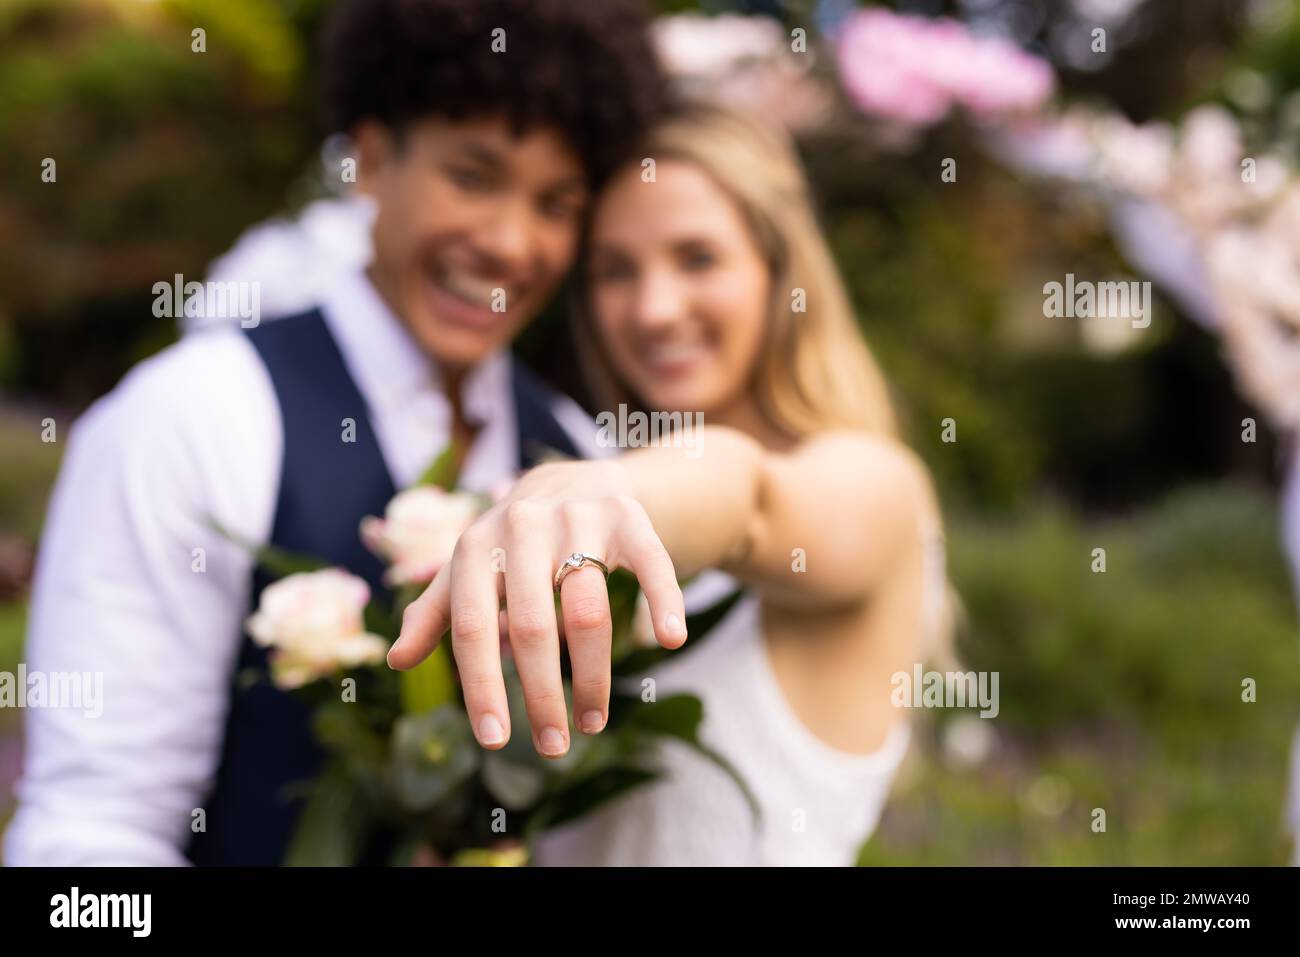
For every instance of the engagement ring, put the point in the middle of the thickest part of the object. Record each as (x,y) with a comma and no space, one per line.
(574,562)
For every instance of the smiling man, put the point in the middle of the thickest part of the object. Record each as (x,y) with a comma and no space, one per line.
(481,127)
(475,227)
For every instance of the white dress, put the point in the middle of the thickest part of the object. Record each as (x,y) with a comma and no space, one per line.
(818,805)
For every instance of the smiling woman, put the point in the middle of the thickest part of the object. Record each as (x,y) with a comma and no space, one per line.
(728,230)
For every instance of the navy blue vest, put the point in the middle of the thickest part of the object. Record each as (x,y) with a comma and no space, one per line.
(326,487)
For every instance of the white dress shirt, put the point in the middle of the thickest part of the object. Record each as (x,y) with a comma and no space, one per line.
(123,589)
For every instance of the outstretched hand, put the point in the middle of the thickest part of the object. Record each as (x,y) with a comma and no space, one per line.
(552,512)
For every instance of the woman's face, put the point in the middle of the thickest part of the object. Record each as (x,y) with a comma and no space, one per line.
(678,289)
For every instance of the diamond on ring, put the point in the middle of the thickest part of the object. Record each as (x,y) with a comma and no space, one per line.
(574,562)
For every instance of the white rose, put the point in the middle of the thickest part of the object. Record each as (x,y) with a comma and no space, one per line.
(419,531)
(315,625)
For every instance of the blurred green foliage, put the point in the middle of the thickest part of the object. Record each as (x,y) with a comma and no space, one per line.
(947,280)
(144,131)
(27,476)
(13,619)
(1119,690)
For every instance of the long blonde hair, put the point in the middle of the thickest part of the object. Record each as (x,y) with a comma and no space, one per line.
(814,372)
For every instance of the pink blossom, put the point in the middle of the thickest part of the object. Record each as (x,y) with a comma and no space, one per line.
(914,70)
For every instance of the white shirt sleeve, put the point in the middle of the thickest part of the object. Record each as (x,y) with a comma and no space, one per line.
(132,584)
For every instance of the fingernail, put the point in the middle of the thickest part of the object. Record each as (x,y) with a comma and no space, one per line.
(592,722)
(490,730)
(675,627)
(389,657)
(552,742)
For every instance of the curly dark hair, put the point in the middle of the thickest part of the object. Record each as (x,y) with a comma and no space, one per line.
(582,67)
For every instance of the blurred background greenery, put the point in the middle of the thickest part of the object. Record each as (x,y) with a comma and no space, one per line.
(1119,690)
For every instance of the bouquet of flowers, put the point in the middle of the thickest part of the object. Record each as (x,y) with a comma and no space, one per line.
(401,757)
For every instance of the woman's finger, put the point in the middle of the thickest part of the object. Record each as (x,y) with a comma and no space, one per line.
(584,600)
(476,642)
(638,548)
(585,616)
(423,623)
(530,609)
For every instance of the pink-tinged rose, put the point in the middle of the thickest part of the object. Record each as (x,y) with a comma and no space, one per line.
(314,625)
(419,531)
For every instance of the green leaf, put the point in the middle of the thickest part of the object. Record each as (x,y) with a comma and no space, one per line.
(514,784)
(405,849)
(276,561)
(623,590)
(334,824)
(432,754)
(698,626)
(280,564)
(442,472)
(678,715)
(341,726)
(701,623)
(584,795)
(379,620)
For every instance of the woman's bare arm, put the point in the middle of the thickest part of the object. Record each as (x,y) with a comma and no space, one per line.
(837,508)
(848,501)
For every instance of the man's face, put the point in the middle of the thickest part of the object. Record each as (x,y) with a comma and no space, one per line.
(475,228)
